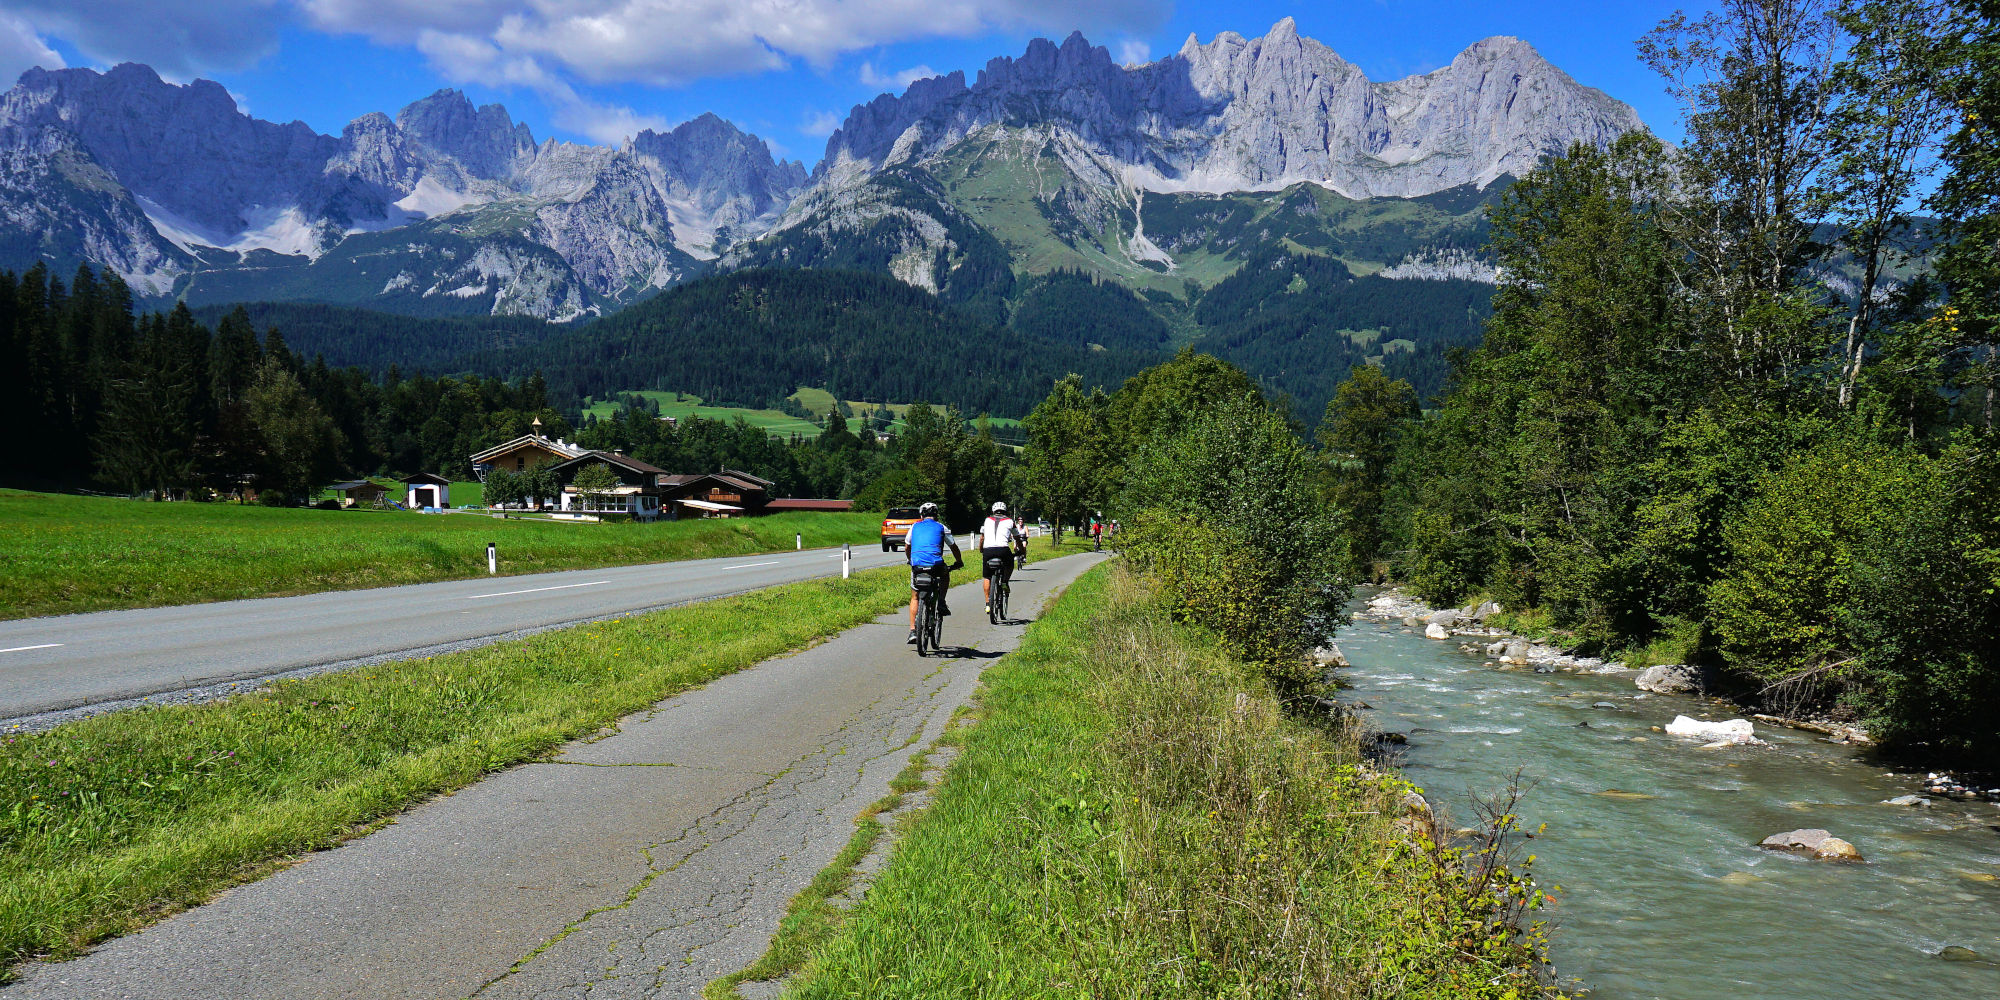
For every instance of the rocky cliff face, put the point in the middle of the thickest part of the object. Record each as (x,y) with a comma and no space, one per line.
(159,181)
(1242,114)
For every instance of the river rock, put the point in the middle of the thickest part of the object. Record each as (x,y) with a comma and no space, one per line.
(1604,704)
(1436,631)
(1738,730)
(1412,621)
(1516,652)
(1331,656)
(1485,611)
(1913,801)
(1496,648)
(1446,618)
(1669,678)
(1813,843)
(1959,953)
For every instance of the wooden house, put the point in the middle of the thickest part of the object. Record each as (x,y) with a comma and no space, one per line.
(637,492)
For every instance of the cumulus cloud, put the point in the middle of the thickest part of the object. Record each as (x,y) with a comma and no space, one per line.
(179,38)
(473,60)
(897,80)
(1132,52)
(21,50)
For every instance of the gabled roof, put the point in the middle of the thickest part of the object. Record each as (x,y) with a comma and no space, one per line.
(563,448)
(739,474)
(355,485)
(613,458)
(425,477)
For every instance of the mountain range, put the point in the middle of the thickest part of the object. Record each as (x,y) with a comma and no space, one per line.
(1165,177)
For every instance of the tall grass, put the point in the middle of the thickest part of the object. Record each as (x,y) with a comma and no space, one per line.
(1134,815)
(67,554)
(109,822)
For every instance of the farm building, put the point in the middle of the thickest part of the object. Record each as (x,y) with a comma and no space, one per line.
(426,490)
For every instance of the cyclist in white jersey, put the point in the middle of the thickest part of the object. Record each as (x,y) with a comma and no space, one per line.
(1000,537)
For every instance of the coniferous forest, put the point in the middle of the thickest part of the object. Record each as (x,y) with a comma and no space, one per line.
(1736,406)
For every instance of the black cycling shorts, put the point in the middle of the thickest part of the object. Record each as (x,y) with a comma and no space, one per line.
(998,560)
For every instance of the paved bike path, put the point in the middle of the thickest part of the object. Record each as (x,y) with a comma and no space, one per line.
(644,864)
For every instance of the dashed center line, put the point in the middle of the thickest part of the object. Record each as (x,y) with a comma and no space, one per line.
(23,649)
(532,590)
(773,562)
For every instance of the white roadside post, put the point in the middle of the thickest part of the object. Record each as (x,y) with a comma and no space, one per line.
(799,541)
(492,558)
(846,560)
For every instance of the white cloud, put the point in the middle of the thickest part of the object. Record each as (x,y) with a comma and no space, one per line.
(899,80)
(473,60)
(672,42)
(821,123)
(1133,52)
(21,50)
(179,38)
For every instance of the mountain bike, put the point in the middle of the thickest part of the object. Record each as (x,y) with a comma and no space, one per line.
(930,624)
(996,603)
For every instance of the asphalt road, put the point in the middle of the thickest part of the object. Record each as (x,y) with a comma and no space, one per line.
(644,864)
(68,661)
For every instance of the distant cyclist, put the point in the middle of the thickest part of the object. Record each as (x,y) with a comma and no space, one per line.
(924,547)
(1000,538)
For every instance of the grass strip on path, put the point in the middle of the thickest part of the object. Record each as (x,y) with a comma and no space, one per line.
(68,554)
(1134,815)
(110,822)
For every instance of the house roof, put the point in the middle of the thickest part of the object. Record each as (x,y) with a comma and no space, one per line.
(563,448)
(705,505)
(747,483)
(613,458)
(739,474)
(355,485)
(426,478)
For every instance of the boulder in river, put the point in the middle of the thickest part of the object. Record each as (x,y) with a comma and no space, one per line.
(1959,953)
(1485,611)
(1516,652)
(1914,801)
(1496,648)
(1734,731)
(1812,843)
(1436,631)
(1669,678)
(1331,656)
(1447,618)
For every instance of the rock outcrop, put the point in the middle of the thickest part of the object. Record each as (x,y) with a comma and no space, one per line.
(1669,678)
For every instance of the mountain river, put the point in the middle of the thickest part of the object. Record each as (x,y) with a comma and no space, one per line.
(1651,838)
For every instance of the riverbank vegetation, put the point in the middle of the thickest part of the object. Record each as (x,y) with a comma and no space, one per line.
(1737,401)
(66,554)
(1136,813)
(112,822)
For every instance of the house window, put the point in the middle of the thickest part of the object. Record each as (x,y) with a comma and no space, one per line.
(520,463)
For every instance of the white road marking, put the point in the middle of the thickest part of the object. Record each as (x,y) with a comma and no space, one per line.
(23,649)
(537,590)
(773,562)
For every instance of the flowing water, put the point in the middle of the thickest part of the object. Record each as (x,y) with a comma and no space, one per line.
(1651,838)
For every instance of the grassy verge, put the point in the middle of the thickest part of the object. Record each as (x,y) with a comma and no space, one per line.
(111,822)
(67,554)
(1135,816)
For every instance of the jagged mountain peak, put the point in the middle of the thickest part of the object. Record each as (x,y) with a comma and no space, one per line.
(485,139)
(1242,113)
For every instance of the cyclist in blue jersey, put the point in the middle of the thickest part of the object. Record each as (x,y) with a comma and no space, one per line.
(924,547)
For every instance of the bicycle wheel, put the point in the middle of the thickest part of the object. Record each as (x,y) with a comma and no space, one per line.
(1000,601)
(937,626)
(926,613)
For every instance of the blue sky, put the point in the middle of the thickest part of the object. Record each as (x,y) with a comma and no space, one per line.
(788,70)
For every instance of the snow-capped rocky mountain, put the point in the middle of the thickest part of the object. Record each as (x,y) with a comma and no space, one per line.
(1163,176)
(1145,173)
(1257,114)
(163,183)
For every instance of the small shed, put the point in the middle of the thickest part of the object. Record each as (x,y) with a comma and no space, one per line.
(426,490)
(359,493)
